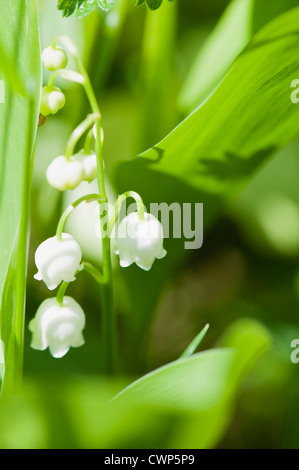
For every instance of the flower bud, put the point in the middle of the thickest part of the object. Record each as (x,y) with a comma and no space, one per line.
(57,260)
(58,327)
(139,241)
(89,162)
(52,100)
(65,174)
(54,58)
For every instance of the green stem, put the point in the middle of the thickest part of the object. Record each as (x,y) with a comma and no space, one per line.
(96,274)
(61,291)
(78,132)
(118,204)
(70,208)
(88,141)
(88,267)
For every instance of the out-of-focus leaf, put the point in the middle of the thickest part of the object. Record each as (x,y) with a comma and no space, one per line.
(86,7)
(68,7)
(195,383)
(185,404)
(212,155)
(158,110)
(9,73)
(83,7)
(268,210)
(18,123)
(240,21)
(2,364)
(106,5)
(251,339)
(154,4)
(196,342)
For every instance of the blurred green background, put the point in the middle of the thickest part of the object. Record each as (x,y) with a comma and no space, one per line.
(248,265)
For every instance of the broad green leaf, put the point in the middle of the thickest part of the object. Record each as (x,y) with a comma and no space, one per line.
(2,364)
(240,21)
(203,385)
(156,70)
(194,384)
(187,403)
(18,123)
(9,74)
(213,153)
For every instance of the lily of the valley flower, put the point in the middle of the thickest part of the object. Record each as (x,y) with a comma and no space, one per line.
(57,260)
(52,100)
(54,58)
(89,162)
(58,327)
(65,174)
(139,241)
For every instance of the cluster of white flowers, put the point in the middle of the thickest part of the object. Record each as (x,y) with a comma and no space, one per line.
(59,321)
(64,173)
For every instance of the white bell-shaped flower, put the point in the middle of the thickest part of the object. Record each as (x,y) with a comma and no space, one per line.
(54,58)
(58,327)
(52,100)
(57,260)
(139,241)
(65,174)
(89,163)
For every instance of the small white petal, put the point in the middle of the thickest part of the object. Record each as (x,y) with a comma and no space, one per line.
(89,163)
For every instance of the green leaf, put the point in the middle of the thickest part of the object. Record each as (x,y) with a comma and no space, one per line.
(193,384)
(203,387)
(154,4)
(185,404)
(83,7)
(9,74)
(240,21)
(86,7)
(214,152)
(68,7)
(251,339)
(106,5)
(2,364)
(19,114)
(196,342)
(156,74)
